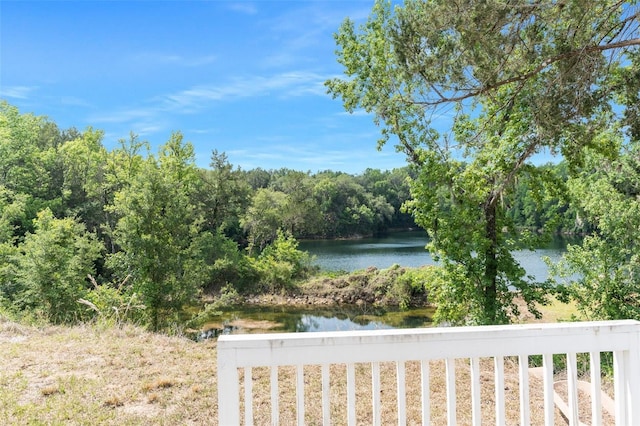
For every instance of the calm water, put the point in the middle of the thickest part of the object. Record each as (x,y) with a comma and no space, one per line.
(408,249)
(278,319)
(403,248)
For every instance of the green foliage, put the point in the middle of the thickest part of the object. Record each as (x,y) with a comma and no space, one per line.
(223,194)
(12,212)
(114,304)
(168,229)
(158,232)
(53,266)
(29,167)
(229,267)
(347,208)
(263,219)
(281,264)
(602,275)
(413,283)
(482,61)
(84,160)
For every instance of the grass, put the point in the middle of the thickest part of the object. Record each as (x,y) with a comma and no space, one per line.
(98,375)
(104,375)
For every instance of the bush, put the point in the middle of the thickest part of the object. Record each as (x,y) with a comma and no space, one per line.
(53,267)
(281,264)
(410,284)
(114,304)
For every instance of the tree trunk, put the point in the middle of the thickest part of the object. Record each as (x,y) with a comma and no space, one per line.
(490,287)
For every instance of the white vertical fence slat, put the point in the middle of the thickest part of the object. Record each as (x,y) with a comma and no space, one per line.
(351,394)
(547,371)
(425,388)
(401,393)
(275,409)
(572,388)
(237,352)
(596,388)
(476,412)
(523,377)
(375,393)
(228,388)
(326,402)
(498,367)
(300,393)
(619,386)
(248,396)
(632,382)
(450,367)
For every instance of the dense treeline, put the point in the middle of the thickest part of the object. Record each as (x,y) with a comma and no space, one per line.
(139,234)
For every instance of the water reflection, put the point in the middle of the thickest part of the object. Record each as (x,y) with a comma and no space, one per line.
(269,319)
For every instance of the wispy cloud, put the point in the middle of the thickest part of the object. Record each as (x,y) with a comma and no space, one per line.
(314,157)
(161,58)
(356,113)
(123,115)
(17,92)
(303,30)
(284,85)
(157,113)
(247,8)
(74,101)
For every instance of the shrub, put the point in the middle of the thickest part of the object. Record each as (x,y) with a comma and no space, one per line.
(281,263)
(53,267)
(114,304)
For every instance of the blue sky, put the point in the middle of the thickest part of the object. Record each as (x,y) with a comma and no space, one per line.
(245,78)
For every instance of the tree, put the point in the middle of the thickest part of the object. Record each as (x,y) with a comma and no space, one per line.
(518,78)
(159,232)
(281,263)
(300,214)
(603,274)
(224,195)
(263,218)
(123,166)
(53,267)
(12,213)
(393,187)
(83,190)
(27,160)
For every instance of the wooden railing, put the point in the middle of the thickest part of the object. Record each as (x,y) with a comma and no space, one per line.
(241,353)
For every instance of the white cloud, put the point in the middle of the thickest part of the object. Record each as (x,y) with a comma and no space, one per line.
(159,58)
(304,31)
(284,85)
(244,7)
(156,114)
(122,116)
(357,113)
(74,101)
(17,92)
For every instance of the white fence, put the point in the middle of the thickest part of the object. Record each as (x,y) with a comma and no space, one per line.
(241,353)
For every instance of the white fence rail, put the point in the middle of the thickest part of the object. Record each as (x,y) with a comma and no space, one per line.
(241,353)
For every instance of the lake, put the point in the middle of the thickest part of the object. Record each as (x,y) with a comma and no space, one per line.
(404,248)
(407,248)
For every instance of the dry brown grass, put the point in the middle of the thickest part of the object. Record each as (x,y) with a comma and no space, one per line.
(111,376)
(127,376)
(338,395)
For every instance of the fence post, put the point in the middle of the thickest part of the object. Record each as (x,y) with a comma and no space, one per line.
(633,379)
(228,387)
